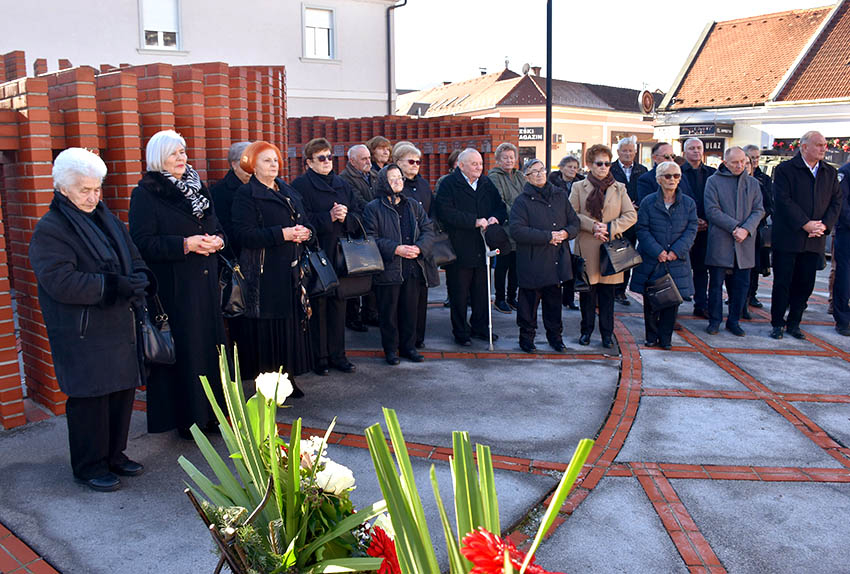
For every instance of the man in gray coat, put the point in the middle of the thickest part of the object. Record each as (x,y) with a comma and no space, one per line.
(733,208)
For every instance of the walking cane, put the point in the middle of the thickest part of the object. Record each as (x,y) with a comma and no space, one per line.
(488,253)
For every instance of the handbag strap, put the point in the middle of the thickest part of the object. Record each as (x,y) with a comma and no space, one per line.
(160,316)
(360,224)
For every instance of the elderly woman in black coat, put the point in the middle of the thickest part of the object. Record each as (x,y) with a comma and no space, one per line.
(332,209)
(270,225)
(91,287)
(404,235)
(542,223)
(666,229)
(173,222)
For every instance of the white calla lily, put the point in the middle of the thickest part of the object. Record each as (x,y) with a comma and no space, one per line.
(274,386)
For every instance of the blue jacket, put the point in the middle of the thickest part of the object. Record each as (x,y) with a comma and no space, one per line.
(660,229)
(844,214)
(647,184)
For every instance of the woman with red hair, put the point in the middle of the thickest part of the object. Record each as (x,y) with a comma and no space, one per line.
(270,227)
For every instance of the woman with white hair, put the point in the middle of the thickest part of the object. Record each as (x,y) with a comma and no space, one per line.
(173,222)
(91,288)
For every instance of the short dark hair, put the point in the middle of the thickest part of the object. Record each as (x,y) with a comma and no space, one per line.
(568,159)
(452,161)
(657,146)
(595,150)
(315,145)
(376,142)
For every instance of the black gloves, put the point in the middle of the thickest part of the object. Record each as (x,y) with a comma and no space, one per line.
(132,285)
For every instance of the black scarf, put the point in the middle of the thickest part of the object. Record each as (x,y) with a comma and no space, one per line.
(93,237)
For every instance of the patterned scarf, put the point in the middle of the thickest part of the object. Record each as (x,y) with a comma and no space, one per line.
(190,185)
(596,199)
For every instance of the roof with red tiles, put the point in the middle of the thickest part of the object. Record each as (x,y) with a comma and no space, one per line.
(741,62)
(824,72)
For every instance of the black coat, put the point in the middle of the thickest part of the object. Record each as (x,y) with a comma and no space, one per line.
(91,328)
(383,223)
(223,192)
(419,189)
(766,190)
(160,218)
(800,198)
(259,216)
(638,170)
(363,188)
(457,206)
(535,214)
(693,184)
(844,216)
(318,198)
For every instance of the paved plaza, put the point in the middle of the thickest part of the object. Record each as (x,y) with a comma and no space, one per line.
(724,454)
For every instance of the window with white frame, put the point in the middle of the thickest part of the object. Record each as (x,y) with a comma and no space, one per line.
(319,33)
(160,24)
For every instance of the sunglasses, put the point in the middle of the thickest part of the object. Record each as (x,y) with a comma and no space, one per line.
(414,161)
(601,163)
(323,158)
(671,175)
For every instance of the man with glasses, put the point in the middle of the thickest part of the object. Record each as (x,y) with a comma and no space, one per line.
(694,175)
(466,203)
(646,184)
(733,208)
(627,171)
(807,201)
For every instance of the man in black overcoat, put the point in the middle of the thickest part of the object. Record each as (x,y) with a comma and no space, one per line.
(807,203)
(694,175)
(627,171)
(223,192)
(762,252)
(466,203)
(841,257)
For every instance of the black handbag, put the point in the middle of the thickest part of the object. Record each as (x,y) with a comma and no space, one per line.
(581,284)
(766,235)
(662,293)
(157,341)
(441,250)
(351,287)
(232,283)
(359,256)
(617,255)
(319,275)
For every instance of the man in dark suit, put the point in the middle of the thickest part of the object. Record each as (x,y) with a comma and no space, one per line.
(841,257)
(627,171)
(807,203)
(646,184)
(223,192)
(466,203)
(694,175)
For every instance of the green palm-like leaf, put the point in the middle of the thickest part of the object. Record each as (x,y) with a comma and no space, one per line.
(457,563)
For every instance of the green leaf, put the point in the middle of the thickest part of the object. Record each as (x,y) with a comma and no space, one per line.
(210,490)
(487,488)
(469,512)
(564,487)
(293,481)
(345,565)
(457,563)
(225,477)
(347,525)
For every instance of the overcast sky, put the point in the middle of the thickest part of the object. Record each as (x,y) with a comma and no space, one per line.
(616,43)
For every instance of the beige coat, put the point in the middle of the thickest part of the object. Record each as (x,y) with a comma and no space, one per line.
(617,211)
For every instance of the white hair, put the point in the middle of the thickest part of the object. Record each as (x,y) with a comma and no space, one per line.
(402,149)
(506,146)
(808,136)
(466,153)
(751,147)
(665,167)
(160,146)
(76,162)
(689,140)
(355,148)
(628,140)
(235,153)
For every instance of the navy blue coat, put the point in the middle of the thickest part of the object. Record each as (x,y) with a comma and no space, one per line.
(535,214)
(844,215)
(647,184)
(660,229)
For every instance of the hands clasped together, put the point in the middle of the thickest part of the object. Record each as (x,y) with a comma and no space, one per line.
(558,237)
(205,244)
(407,251)
(815,228)
(483,223)
(600,231)
(297,233)
(338,212)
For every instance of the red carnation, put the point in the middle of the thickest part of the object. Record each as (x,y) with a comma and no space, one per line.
(382,546)
(486,551)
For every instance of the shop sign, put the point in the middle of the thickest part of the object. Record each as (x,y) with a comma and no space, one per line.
(698,130)
(530,134)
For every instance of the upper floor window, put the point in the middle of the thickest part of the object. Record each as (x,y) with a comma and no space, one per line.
(160,24)
(319,33)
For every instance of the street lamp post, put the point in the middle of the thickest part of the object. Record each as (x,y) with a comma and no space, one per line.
(548,85)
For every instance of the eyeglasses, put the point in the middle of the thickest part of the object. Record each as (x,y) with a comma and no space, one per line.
(601,163)
(323,158)
(668,157)
(414,161)
(536,172)
(671,175)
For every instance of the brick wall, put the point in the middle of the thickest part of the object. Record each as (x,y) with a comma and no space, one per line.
(435,137)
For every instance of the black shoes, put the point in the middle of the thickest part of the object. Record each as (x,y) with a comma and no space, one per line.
(413,356)
(321,369)
(796,332)
(512,304)
(735,330)
(622,299)
(652,343)
(572,306)
(463,342)
(485,336)
(106,483)
(666,346)
(357,326)
(503,307)
(392,358)
(745,314)
(712,329)
(343,365)
(127,468)
(843,330)
(420,344)
(608,342)
(754,302)
(776,333)
(557,345)
(371,320)
(584,339)
(296,392)
(527,346)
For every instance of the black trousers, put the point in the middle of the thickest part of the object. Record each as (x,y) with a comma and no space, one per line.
(793,283)
(526,312)
(568,295)
(97,431)
(601,295)
(620,289)
(327,328)
(421,314)
(397,306)
(659,323)
(700,271)
(505,268)
(467,284)
(737,285)
(361,308)
(841,286)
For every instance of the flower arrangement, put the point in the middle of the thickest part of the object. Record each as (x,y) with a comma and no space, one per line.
(287,507)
